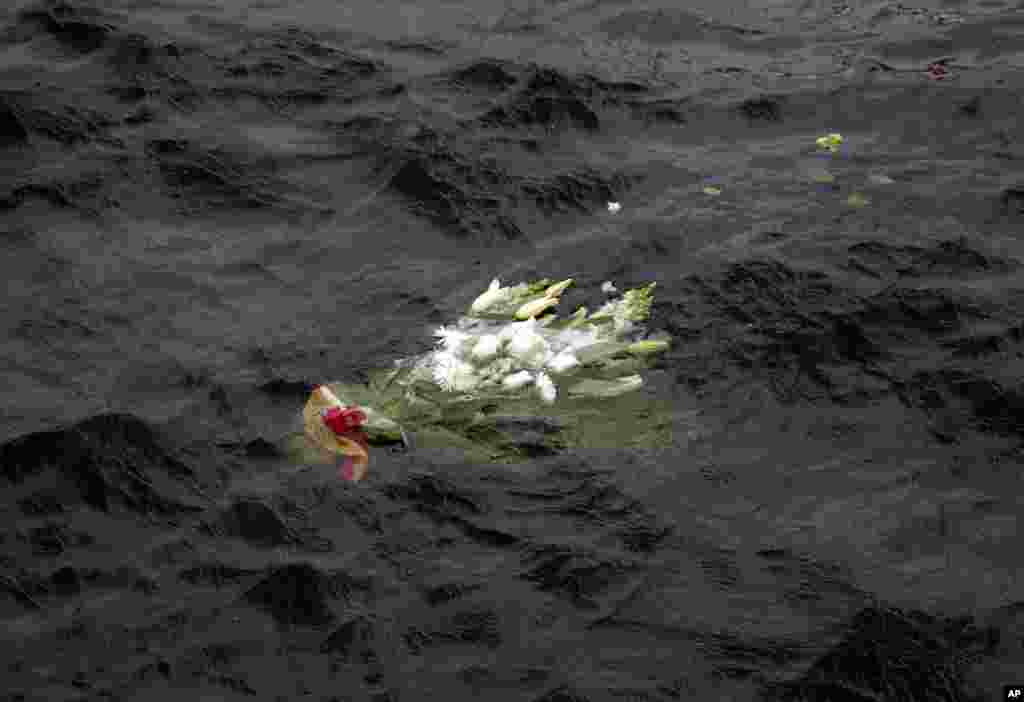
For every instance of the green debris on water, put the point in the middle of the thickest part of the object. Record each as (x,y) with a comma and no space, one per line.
(830,142)
(857,200)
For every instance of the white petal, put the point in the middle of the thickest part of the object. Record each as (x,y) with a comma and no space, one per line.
(547,388)
(563,362)
(486,348)
(517,380)
(464,378)
(608,287)
(440,368)
(510,330)
(525,342)
(486,299)
(451,373)
(454,341)
(529,348)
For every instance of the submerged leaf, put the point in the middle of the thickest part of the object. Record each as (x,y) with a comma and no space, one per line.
(593,387)
(379,428)
(600,351)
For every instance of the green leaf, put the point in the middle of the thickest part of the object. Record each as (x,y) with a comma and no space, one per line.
(637,303)
(578,319)
(593,387)
(647,347)
(601,319)
(379,428)
(518,296)
(536,288)
(600,351)
(614,368)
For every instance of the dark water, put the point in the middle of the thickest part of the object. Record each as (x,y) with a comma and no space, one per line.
(206,207)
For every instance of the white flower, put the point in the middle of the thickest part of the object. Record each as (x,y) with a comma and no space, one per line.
(563,361)
(486,348)
(527,346)
(608,287)
(489,297)
(454,341)
(517,380)
(546,387)
(422,371)
(575,339)
(479,354)
(510,330)
(614,207)
(498,369)
(452,374)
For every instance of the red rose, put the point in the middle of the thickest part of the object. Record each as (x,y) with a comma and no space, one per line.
(343,419)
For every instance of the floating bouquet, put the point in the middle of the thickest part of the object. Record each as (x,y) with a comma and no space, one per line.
(510,352)
(505,347)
